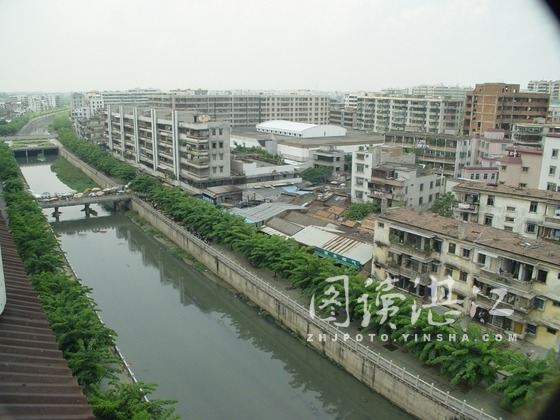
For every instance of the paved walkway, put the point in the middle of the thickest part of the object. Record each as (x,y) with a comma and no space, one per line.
(477,397)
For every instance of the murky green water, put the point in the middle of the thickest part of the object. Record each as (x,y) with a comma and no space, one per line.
(194,338)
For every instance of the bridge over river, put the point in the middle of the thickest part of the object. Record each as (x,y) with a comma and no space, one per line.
(115,199)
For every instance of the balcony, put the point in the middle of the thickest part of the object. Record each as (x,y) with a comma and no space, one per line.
(504,280)
(465,207)
(488,302)
(387,181)
(424,278)
(552,222)
(411,249)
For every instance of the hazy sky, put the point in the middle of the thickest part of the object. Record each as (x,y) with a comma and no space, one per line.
(331,45)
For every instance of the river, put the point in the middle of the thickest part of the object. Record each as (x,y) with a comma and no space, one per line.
(196,339)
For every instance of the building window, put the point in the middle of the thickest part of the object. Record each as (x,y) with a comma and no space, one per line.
(551,331)
(221,131)
(214,170)
(503,167)
(477,176)
(221,144)
(490,200)
(493,175)
(508,228)
(525,169)
(531,330)
(488,220)
(509,208)
(451,248)
(481,258)
(420,200)
(430,198)
(550,186)
(463,276)
(472,176)
(556,303)
(221,169)
(533,206)
(485,176)
(531,228)
(380,224)
(539,303)
(421,187)
(552,170)
(541,276)
(448,271)
(466,253)
(555,153)
(522,185)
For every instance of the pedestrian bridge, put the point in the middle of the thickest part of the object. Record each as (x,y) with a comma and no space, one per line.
(84,201)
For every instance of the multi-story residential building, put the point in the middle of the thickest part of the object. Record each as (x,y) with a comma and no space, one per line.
(186,147)
(330,157)
(342,116)
(247,108)
(365,159)
(530,212)
(137,97)
(478,268)
(550,167)
(520,167)
(554,112)
(551,87)
(394,182)
(444,153)
(532,134)
(434,91)
(485,155)
(379,113)
(500,105)
(85,105)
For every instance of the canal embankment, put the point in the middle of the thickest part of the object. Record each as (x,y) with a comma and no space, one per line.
(423,399)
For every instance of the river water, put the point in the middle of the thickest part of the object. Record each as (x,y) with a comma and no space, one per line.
(201,344)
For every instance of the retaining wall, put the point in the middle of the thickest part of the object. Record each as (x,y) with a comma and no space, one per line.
(409,392)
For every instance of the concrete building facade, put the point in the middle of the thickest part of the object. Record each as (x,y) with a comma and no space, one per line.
(551,87)
(529,212)
(186,147)
(475,269)
(500,105)
(247,108)
(379,113)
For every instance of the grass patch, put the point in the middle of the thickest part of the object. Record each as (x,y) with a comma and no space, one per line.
(199,266)
(71,176)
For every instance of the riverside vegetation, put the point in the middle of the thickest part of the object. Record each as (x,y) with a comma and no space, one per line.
(462,362)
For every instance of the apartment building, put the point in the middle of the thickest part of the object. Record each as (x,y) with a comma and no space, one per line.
(485,155)
(550,167)
(186,147)
(329,157)
(551,87)
(479,268)
(500,105)
(531,135)
(247,108)
(380,113)
(444,153)
(394,182)
(530,212)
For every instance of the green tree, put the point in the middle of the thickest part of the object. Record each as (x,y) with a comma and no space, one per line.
(127,402)
(524,379)
(317,175)
(443,205)
(357,211)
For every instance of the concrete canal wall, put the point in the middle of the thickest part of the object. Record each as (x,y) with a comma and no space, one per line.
(409,392)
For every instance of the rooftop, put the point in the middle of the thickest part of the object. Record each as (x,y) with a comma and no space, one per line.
(432,224)
(502,189)
(35,380)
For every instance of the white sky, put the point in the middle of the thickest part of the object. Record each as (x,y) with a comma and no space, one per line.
(330,45)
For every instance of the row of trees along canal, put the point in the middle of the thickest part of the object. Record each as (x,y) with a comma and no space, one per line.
(470,361)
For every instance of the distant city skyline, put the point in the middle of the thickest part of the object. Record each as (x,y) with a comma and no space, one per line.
(351,46)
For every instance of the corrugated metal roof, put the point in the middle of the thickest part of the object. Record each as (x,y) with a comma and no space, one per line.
(35,381)
(335,242)
(264,212)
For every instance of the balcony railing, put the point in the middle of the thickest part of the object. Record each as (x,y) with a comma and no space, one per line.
(465,207)
(505,279)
